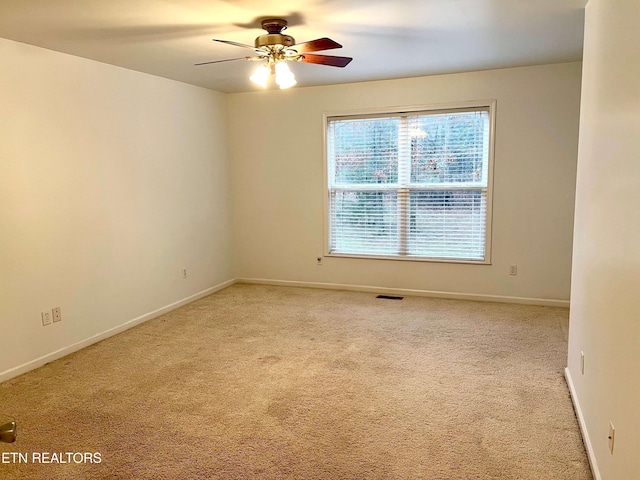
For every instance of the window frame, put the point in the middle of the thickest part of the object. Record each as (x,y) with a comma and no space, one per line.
(489,105)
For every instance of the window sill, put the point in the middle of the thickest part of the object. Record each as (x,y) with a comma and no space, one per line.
(408,258)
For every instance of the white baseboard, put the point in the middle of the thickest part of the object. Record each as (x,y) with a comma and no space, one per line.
(38,362)
(50,357)
(583,427)
(404,291)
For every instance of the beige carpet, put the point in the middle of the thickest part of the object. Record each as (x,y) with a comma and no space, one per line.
(272,382)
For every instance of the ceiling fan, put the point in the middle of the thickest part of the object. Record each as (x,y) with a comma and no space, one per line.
(274,50)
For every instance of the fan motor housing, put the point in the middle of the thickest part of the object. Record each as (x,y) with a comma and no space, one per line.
(272,39)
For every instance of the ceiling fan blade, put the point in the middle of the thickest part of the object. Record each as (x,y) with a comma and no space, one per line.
(147,32)
(330,60)
(235,43)
(316,45)
(220,61)
(294,19)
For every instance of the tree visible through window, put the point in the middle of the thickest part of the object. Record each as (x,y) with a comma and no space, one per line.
(411,185)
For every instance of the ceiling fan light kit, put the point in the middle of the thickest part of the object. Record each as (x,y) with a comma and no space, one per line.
(284,76)
(275,49)
(261,76)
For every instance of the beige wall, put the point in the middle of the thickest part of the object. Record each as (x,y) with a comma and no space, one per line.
(605,300)
(111,181)
(276,145)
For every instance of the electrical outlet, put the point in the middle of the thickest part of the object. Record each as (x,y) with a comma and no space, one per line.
(582,362)
(611,437)
(57,314)
(184,273)
(513,269)
(318,260)
(46,318)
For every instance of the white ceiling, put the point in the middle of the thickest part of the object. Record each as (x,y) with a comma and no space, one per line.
(386,38)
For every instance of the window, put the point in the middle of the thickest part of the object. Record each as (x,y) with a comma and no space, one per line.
(410,185)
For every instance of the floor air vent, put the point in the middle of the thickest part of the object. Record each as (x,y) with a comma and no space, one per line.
(390,297)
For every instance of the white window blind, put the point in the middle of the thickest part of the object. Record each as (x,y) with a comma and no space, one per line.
(411,185)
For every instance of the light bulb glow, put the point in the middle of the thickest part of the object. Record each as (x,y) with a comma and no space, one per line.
(261,76)
(284,76)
